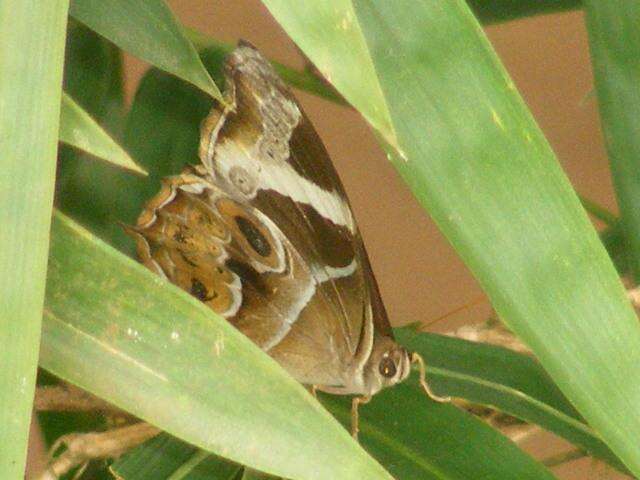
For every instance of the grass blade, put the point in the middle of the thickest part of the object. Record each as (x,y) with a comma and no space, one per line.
(334,24)
(169,458)
(614,41)
(250,474)
(516,222)
(505,380)
(31,57)
(475,159)
(415,437)
(93,76)
(104,331)
(401,427)
(493,11)
(77,128)
(213,53)
(148,30)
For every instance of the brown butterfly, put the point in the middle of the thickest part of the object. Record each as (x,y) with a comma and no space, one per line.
(262,232)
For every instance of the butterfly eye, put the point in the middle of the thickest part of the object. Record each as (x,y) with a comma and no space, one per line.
(387,367)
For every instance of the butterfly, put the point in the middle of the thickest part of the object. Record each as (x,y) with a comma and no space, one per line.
(262,232)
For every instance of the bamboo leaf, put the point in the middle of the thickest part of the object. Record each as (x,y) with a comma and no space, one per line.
(415,437)
(77,128)
(93,76)
(504,380)
(146,29)
(615,46)
(402,428)
(213,53)
(492,11)
(169,458)
(93,192)
(254,475)
(328,30)
(31,57)
(122,333)
(474,158)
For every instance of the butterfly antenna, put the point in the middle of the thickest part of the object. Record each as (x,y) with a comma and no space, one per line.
(417,358)
(466,306)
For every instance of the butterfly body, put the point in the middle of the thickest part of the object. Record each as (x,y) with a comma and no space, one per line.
(262,232)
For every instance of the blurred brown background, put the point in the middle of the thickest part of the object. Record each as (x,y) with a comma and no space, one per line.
(420,276)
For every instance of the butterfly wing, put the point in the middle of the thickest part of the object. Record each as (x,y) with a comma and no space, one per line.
(263,232)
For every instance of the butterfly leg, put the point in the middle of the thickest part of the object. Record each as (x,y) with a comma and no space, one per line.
(313,390)
(634,296)
(415,358)
(355,416)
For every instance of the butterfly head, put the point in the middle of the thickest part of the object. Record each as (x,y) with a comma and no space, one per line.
(388,365)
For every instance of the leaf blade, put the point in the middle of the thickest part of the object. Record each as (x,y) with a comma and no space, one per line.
(493,11)
(78,129)
(334,23)
(614,42)
(517,224)
(168,457)
(504,380)
(148,30)
(104,332)
(31,58)
(481,167)
(420,438)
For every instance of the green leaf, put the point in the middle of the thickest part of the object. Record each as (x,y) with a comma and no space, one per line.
(168,458)
(250,474)
(599,212)
(148,30)
(475,159)
(31,57)
(492,11)
(213,53)
(613,241)
(415,437)
(77,128)
(163,126)
(505,380)
(94,192)
(93,76)
(401,427)
(614,41)
(122,333)
(329,30)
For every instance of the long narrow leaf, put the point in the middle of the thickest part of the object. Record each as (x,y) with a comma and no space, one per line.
(168,458)
(77,128)
(614,40)
(254,475)
(334,24)
(93,76)
(89,191)
(119,331)
(473,156)
(401,427)
(147,29)
(31,56)
(215,51)
(483,374)
(491,11)
(505,380)
(415,437)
